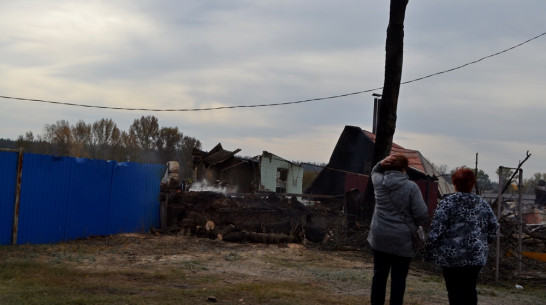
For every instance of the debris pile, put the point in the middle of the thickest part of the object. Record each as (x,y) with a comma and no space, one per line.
(256,217)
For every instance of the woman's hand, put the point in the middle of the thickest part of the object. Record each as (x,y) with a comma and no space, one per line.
(388,160)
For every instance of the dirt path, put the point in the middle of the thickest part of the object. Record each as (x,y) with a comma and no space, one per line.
(199,261)
(343,272)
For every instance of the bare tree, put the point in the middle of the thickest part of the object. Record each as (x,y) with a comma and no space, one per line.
(81,133)
(144,142)
(169,143)
(186,159)
(146,132)
(25,141)
(106,136)
(530,184)
(60,135)
(128,150)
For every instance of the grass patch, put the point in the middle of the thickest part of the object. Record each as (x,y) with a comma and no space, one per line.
(354,276)
(281,262)
(44,283)
(232,256)
(193,265)
(280,293)
(122,270)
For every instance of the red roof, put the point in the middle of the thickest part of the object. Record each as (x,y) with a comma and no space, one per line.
(414,156)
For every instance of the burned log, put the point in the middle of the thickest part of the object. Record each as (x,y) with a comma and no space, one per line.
(226,230)
(261,218)
(268,238)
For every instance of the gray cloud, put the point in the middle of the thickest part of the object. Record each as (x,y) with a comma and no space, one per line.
(194,54)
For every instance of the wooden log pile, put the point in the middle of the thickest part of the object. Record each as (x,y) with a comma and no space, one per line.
(259,218)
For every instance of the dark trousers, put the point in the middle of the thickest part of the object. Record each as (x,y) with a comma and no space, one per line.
(397,266)
(461,284)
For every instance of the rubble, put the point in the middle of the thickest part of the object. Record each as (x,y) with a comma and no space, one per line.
(256,217)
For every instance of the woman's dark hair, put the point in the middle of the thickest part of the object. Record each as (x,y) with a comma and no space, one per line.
(401,163)
(463,179)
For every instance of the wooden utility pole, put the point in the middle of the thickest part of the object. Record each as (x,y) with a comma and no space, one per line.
(393,75)
(476,171)
(386,123)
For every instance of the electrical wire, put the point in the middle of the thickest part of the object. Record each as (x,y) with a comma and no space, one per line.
(273,104)
(475,61)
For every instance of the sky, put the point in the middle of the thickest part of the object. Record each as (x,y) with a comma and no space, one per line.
(195,54)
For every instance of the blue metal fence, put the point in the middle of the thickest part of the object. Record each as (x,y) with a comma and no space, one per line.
(64,198)
(8,178)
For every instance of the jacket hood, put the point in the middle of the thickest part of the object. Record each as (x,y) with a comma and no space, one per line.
(394,179)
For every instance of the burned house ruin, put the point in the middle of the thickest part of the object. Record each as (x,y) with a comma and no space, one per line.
(264,173)
(253,199)
(351,163)
(262,194)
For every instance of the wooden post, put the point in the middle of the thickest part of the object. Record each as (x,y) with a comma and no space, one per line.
(163,212)
(520,221)
(499,203)
(19,180)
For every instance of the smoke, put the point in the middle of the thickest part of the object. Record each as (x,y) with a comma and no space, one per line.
(204,186)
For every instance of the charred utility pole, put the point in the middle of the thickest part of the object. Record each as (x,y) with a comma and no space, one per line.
(376,101)
(386,118)
(476,171)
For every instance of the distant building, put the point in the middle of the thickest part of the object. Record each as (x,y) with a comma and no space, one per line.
(352,158)
(264,173)
(279,175)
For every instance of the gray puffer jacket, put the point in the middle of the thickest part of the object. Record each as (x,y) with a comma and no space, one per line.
(388,231)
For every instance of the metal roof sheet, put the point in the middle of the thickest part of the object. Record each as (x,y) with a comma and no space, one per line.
(419,162)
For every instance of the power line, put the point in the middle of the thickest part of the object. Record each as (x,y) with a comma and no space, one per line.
(475,61)
(273,104)
(190,109)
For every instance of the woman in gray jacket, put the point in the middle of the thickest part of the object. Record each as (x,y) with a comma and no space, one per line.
(398,202)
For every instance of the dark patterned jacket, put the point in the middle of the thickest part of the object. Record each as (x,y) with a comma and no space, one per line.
(462,227)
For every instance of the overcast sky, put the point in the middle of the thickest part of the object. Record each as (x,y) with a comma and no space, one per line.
(199,54)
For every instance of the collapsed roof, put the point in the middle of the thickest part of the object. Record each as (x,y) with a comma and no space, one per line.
(353,154)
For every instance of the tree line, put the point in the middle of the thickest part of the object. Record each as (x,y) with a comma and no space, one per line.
(144,142)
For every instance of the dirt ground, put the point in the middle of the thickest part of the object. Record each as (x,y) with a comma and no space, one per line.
(340,272)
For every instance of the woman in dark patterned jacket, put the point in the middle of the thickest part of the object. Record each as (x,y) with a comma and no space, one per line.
(461,230)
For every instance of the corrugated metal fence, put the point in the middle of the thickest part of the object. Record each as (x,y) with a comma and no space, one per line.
(64,198)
